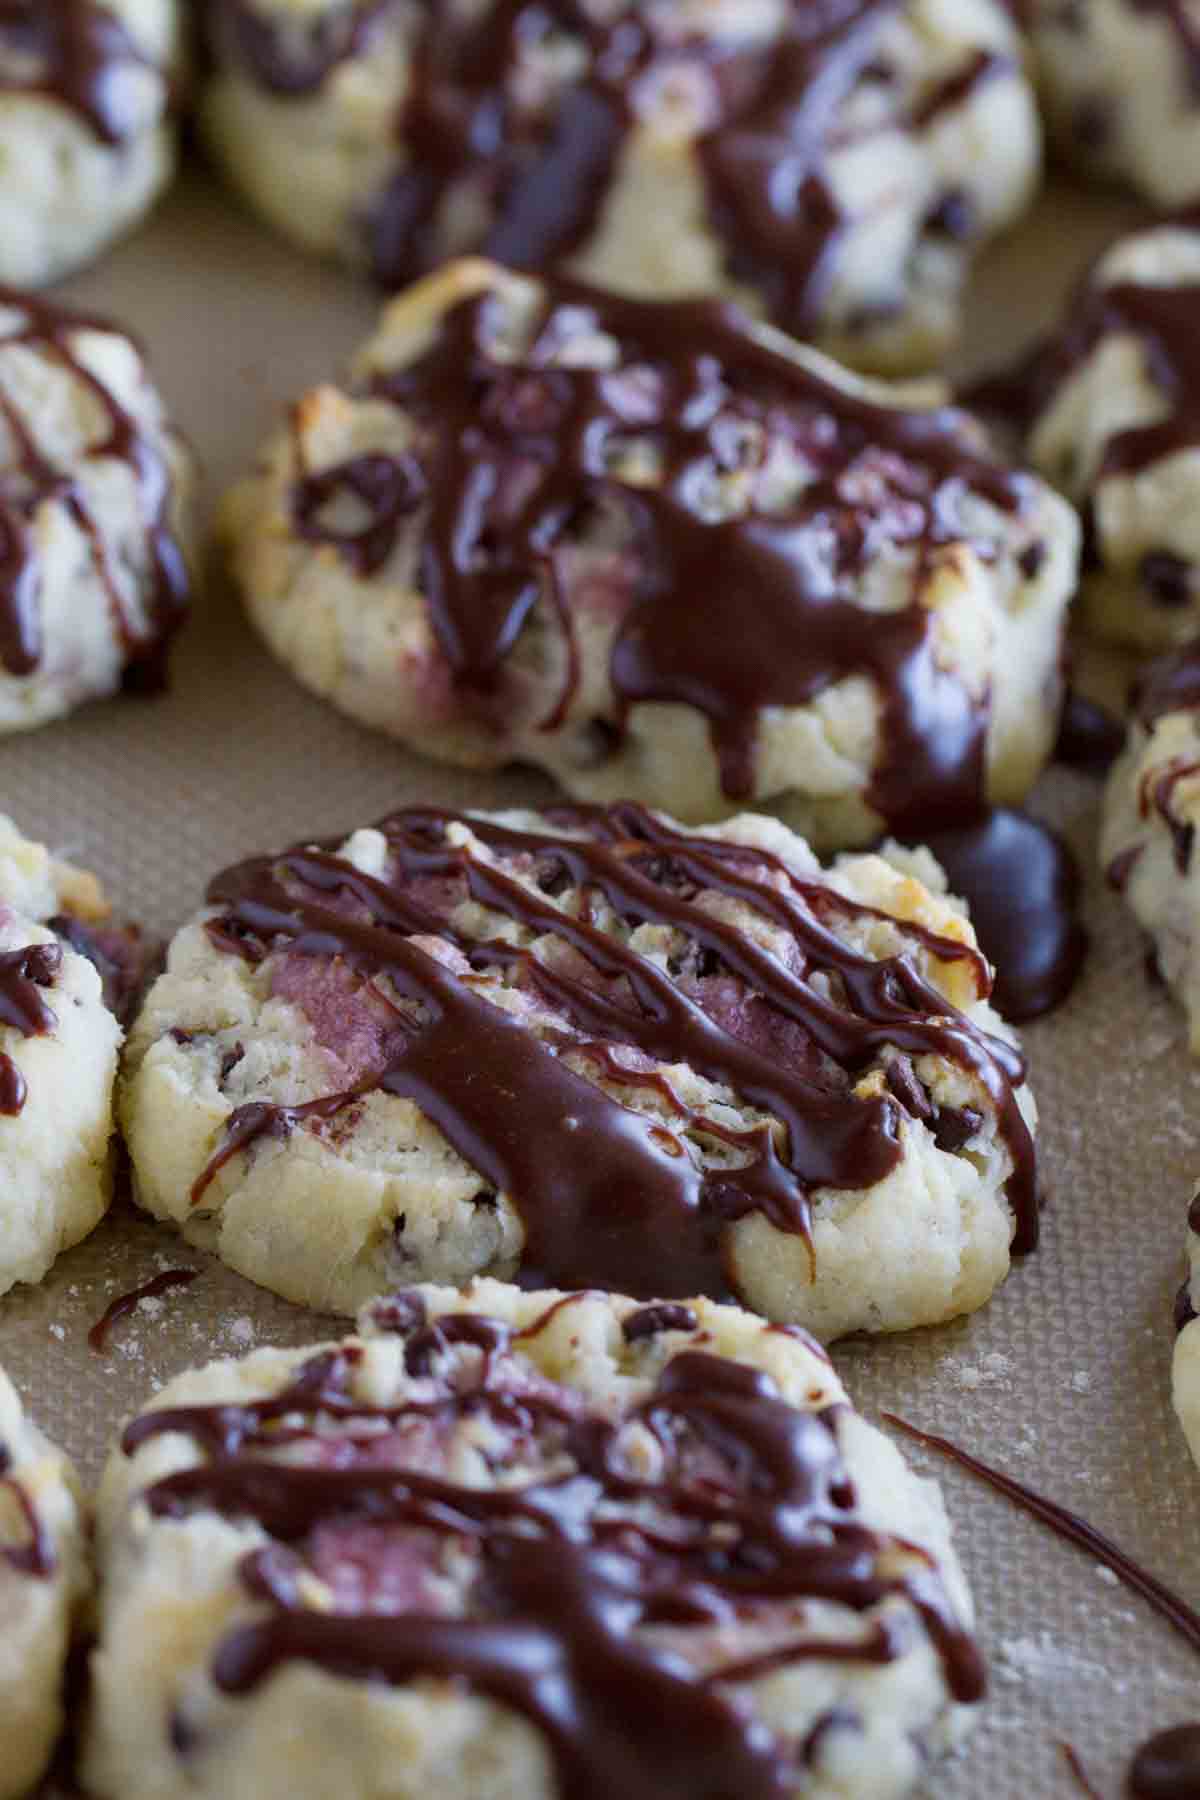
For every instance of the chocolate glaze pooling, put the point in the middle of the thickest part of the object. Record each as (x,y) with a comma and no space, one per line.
(1162,1600)
(608,1196)
(28,481)
(572,1565)
(541,167)
(514,458)
(1167,1767)
(1023,888)
(77,53)
(24,975)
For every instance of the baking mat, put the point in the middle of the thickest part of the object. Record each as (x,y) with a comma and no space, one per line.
(1063,1379)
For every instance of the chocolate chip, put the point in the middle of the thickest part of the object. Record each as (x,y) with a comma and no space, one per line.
(953,216)
(1185,1312)
(485,1197)
(1167,578)
(1031,559)
(1194,1216)
(955,1126)
(904,1083)
(648,1321)
(230,1061)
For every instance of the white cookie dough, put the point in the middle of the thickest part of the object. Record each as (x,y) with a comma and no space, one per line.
(859,673)
(278,1110)
(43,1579)
(1114,399)
(194,1539)
(94,515)
(86,140)
(58,1062)
(1151,812)
(837,173)
(1120,83)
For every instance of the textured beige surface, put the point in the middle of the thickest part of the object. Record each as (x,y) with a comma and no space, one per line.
(1064,1378)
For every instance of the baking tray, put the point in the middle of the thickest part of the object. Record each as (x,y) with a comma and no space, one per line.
(1063,1379)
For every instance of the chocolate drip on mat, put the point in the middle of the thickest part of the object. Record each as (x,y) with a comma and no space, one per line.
(609,1196)
(1076,1530)
(1167,1767)
(76,52)
(1023,888)
(124,1304)
(28,481)
(573,1566)
(730,615)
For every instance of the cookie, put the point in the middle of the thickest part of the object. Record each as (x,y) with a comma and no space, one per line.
(1151,811)
(95,492)
(523,1543)
(1112,406)
(86,139)
(43,1579)
(58,1057)
(665,554)
(1118,83)
(588,1050)
(836,167)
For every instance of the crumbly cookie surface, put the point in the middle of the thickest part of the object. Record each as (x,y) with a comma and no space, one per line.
(665,555)
(1117,79)
(598,1050)
(1113,405)
(1151,811)
(523,1544)
(86,140)
(43,1578)
(95,514)
(58,1057)
(836,167)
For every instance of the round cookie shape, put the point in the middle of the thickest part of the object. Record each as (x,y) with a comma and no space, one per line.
(1151,811)
(589,1049)
(664,554)
(94,514)
(475,1549)
(835,167)
(58,1055)
(1112,406)
(1120,85)
(86,140)
(43,1579)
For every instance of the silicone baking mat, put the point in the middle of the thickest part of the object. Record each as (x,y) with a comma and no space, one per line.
(1063,1379)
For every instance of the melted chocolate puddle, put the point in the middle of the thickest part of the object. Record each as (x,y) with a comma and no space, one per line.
(1167,1767)
(1023,888)
(573,1566)
(608,1196)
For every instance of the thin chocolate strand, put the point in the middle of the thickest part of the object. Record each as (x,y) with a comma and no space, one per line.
(1168,1605)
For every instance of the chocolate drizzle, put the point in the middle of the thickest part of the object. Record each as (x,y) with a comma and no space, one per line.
(1160,1598)
(575,1568)
(538,153)
(516,459)
(28,482)
(76,52)
(609,1196)
(124,1304)
(24,975)
(36,1556)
